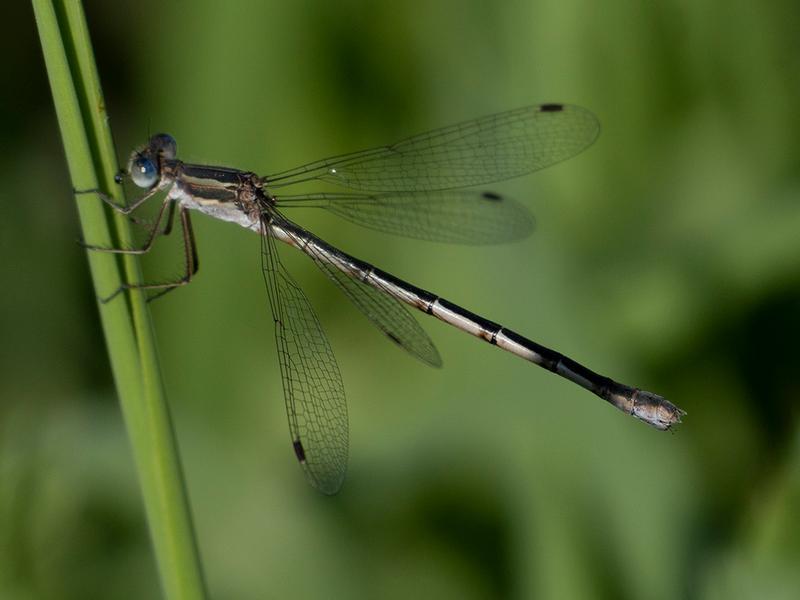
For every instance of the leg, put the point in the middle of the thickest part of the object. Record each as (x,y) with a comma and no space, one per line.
(150,238)
(113,204)
(147,223)
(170,219)
(191,262)
(190,256)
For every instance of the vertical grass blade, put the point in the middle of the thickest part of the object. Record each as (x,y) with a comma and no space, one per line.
(126,321)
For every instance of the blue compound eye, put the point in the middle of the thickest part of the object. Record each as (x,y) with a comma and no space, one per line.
(164,143)
(144,172)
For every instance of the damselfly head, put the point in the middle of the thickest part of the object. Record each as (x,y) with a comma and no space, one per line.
(144,165)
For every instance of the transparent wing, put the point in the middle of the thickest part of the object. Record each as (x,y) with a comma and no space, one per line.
(385,312)
(453,216)
(312,385)
(476,152)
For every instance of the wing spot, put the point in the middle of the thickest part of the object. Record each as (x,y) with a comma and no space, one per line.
(491,196)
(551,107)
(299,451)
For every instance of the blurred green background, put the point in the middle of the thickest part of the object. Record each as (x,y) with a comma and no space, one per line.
(666,256)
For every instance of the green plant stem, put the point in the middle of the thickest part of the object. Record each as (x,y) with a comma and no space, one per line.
(126,320)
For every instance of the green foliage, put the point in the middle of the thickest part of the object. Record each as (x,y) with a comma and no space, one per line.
(666,256)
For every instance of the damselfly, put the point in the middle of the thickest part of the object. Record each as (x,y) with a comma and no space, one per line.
(410,188)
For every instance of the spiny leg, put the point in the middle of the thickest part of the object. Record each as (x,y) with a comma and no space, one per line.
(190,256)
(190,259)
(125,210)
(148,223)
(151,236)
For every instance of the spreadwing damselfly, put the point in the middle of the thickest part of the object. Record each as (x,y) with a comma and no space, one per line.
(413,188)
